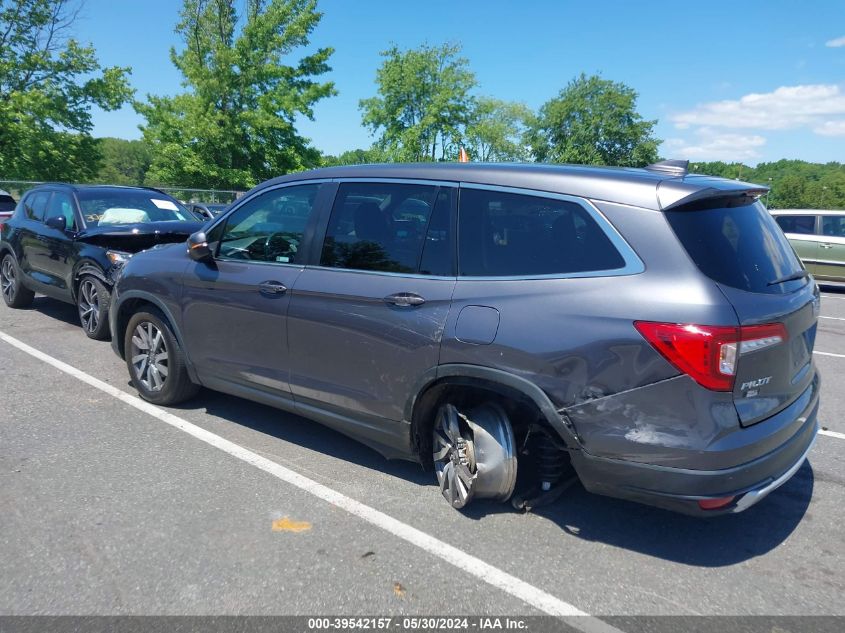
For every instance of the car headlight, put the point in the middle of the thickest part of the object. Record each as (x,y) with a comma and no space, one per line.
(118,258)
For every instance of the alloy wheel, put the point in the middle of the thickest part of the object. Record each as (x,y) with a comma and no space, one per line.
(89,305)
(149,356)
(454,457)
(7,279)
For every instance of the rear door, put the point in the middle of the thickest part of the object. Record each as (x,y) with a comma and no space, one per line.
(234,308)
(738,244)
(831,259)
(366,322)
(801,231)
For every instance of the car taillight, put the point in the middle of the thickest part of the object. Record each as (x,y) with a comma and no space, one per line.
(708,353)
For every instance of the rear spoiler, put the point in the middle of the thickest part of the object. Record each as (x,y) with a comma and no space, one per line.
(676,192)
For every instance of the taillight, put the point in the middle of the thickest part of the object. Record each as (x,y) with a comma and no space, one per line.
(708,353)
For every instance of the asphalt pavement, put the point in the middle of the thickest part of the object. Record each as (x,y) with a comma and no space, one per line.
(109,508)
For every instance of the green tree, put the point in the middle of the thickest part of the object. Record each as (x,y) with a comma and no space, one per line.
(124,162)
(496,131)
(235,126)
(593,121)
(423,102)
(355,157)
(48,84)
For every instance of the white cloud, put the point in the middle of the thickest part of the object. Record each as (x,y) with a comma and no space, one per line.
(831,128)
(837,43)
(785,108)
(711,145)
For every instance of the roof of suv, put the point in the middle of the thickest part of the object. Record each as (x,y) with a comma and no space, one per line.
(95,187)
(647,188)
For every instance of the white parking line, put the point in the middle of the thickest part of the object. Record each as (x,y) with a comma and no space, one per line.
(835,434)
(829,354)
(832,296)
(494,576)
(833,318)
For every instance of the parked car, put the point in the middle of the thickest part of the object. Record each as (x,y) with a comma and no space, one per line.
(645,331)
(207,210)
(7,205)
(68,241)
(819,239)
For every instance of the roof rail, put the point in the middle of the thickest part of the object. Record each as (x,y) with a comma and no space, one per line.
(672,167)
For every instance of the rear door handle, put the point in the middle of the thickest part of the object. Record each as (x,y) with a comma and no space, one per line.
(272,288)
(404,299)
(827,245)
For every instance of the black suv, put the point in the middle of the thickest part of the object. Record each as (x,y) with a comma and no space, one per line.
(68,241)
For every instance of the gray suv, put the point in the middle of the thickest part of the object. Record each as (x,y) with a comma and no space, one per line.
(516,328)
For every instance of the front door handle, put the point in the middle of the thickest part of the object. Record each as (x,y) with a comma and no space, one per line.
(404,299)
(827,245)
(272,288)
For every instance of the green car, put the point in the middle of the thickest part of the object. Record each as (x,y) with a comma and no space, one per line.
(818,236)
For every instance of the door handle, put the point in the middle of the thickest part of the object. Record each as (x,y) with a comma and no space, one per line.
(404,299)
(827,245)
(272,288)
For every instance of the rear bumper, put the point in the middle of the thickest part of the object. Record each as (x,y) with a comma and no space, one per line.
(680,489)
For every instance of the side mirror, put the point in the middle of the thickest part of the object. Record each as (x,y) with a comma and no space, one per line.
(58,222)
(198,248)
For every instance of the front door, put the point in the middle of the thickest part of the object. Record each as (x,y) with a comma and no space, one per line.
(57,248)
(367,323)
(234,308)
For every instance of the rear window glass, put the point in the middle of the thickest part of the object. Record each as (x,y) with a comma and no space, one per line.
(7,203)
(128,206)
(507,234)
(737,243)
(802,224)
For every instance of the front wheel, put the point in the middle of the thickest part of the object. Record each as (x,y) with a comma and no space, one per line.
(155,360)
(92,301)
(15,294)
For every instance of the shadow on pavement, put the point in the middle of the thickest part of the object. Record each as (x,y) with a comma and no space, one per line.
(58,310)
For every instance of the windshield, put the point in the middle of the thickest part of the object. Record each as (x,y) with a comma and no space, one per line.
(128,206)
(737,243)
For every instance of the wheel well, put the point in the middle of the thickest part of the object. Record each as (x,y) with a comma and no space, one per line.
(465,393)
(124,313)
(86,267)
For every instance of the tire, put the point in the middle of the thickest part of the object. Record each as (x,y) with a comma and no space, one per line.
(15,294)
(92,303)
(165,381)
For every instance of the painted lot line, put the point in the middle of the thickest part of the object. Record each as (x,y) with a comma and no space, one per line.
(832,318)
(829,354)
(491,575)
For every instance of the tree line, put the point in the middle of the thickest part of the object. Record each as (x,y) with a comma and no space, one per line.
(246,81)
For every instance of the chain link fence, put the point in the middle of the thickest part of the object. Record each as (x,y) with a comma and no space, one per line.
(185,194)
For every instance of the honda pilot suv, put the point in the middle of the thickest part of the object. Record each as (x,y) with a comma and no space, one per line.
(516,328)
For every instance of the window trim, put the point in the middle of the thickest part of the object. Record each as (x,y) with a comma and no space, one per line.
(310,226)
(633,264)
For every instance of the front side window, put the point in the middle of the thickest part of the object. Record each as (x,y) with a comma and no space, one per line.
(801,224)
(270,227)
(36,204)
(833,225)
(61,205)
(508,234)
(102,207)
(383,227)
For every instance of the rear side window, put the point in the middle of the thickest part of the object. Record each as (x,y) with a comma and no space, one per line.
(801,224)
(833,225)
(7,203)
(737,243)
(507,234)
(384,227)
(36,204)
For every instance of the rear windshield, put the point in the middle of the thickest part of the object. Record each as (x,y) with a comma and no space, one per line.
(127,206)
(737,243)
(7,203)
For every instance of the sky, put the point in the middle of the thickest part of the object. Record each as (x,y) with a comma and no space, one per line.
(751,81)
